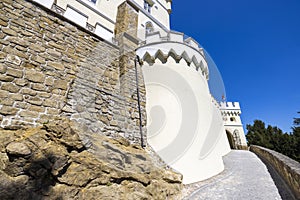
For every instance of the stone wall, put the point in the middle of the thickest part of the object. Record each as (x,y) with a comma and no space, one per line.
(288,168)
(51,67)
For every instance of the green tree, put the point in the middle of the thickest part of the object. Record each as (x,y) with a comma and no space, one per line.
(273,138)
(297,120)
(257,134)
(296,139)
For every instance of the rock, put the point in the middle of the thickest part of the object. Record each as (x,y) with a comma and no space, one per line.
(18,149)
(68,162)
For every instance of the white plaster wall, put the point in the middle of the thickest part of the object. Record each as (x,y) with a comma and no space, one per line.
(110,8)
(192,143)
(142,20)
(46,3)
(93,17)
(158,12)
(76,17)
(104,33)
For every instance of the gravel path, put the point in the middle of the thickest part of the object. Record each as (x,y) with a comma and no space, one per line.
(245,177)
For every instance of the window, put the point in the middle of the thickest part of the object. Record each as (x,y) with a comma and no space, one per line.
(147,6)
(93,1)
(232,119)
(149,28)
(236,138)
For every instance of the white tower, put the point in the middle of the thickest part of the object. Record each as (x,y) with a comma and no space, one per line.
(231,112)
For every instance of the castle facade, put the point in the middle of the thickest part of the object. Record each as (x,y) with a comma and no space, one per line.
(115,66)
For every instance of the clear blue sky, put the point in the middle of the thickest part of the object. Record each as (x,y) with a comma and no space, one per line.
(256,46)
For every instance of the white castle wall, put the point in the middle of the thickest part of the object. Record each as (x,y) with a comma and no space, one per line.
(185,125)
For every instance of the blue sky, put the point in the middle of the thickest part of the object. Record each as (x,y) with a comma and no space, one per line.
(256,46)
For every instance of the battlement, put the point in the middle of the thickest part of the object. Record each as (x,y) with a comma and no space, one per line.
(173,45)
(230,106)
(172,36)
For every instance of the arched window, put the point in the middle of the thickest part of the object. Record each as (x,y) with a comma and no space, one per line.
(232,119)
(149,28)
(236,138)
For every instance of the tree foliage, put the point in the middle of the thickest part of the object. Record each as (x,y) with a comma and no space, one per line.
(272,137)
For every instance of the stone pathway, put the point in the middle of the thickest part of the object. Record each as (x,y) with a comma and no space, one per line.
(245,177)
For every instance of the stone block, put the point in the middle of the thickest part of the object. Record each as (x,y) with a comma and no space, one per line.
(14,72)
(22,105)
(49,81)
(38,59)
(8,110)
(38,87)
(50,103)
(44,94)
(52,111)
(21,82)
(54,53)
(60,84)
(10,87)
(9,31)
(16,96)
(34,76)
(28,65)
(38,109)
(30,114)
(28,91)
(7,102)
(37,47)
(13,59)
(35,101)
(57,45)
(3,68)
(6,78)
(4,94)
(3,23)
(56,65)
(2,54)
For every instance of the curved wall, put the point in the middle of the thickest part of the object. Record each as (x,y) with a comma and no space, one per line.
(185,127)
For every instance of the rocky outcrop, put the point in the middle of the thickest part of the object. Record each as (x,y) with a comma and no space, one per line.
(62,161)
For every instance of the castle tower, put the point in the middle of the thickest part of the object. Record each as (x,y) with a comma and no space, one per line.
(231,112)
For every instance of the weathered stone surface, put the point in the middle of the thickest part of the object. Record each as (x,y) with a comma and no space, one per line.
(61,160)
(18,149)
(50,63)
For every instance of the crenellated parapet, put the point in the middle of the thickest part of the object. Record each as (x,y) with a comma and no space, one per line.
(173,45)
(230,105)
(230,108)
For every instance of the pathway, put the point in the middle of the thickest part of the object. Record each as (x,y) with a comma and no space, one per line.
(245,177)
